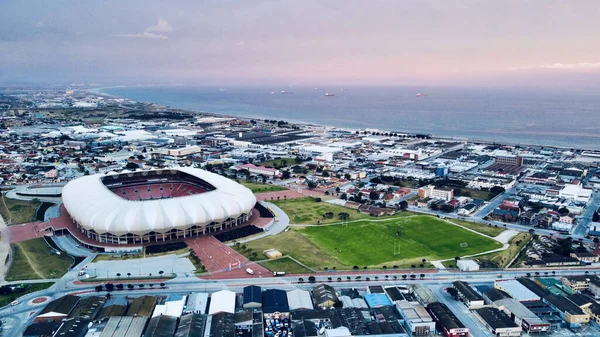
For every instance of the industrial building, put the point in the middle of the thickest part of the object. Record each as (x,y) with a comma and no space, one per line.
(446,322)
(325,296)
(416,318)
(498,322)
(516,290)
(222,301)
(299,300)
(468,295)
(196,303)
(252,297)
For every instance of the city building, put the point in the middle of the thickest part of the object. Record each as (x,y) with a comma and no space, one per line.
(431,191)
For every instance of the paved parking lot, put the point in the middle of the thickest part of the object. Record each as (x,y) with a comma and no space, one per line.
(141,267)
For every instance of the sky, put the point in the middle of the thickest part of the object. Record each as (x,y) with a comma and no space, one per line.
(403,42)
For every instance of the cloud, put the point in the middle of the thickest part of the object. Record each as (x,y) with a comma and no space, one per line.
(562,66)
(145,36)
(161,27)
(156,32)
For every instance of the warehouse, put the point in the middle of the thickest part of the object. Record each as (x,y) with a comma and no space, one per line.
(522,315)
(468,295)
(222,301)
(196,303)
(446,322)
(498,322)
(58,309)
(416,318)
(325,296)
(161,326)
(299,300)
(275,301)
(377,300)
(569,311)
(252,297)
(516,290)
(124,326)
(191,325)
(142,306)
(173,306)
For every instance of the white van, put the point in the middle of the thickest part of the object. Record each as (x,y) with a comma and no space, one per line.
(249,271)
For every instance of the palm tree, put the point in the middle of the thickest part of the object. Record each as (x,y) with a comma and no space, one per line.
(161,272)
(118,275)
(422,276)
(128,274)
(348,278)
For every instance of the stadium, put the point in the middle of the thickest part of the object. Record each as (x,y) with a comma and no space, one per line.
(145,207)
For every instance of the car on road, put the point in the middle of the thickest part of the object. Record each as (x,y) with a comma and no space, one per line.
(13,303)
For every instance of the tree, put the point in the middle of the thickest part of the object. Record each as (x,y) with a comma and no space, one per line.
(344,196)
(312,279)
(301,280)
(403,205)
(373,195)
(128,274)
(98,288)
(119,286)
(151,285)
(348,278)
(162,285)
(141,286)
(109,287)
(424,260)
(413,276)
(329,279)
(422,276)
(404,277)
(563,211)
(339,279)
(596,240)
(161,272)
(347,176)
(118,275)
(130,286)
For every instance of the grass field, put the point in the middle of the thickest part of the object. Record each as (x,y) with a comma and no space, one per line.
(20,211)
(278,162)
(306,211)
(286,265)
(33,260)
(8,298)
(420,237)
(370,243)
(483,229)
(261,188)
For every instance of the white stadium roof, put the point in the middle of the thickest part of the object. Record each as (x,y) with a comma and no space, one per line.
(92,205)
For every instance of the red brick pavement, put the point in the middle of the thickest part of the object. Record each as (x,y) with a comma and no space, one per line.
(218,258)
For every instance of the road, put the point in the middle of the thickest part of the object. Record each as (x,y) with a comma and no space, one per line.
(584,221)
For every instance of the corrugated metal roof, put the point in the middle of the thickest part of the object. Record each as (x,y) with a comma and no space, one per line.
(299,299)
(222,301)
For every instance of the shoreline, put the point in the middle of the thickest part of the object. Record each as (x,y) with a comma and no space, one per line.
(100,92)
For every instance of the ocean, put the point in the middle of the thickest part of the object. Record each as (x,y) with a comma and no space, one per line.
(540,117)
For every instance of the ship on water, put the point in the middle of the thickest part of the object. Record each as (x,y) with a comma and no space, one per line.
(422,95)
(329,94)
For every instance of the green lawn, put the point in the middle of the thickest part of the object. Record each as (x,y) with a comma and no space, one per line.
(420,237)
(20,211)
(277,163)
(33,260)
(33,287)
(483,229)
(261,188)
(369,243)
(306,211)
(286,265)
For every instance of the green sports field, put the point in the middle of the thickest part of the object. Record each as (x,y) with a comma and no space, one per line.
(370,243)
